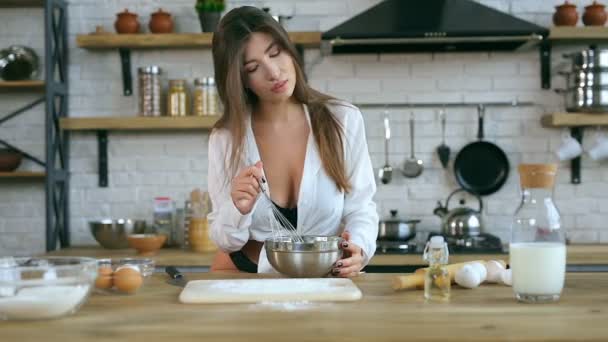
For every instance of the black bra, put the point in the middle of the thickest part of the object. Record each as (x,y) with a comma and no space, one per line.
(242,262)
(291,214)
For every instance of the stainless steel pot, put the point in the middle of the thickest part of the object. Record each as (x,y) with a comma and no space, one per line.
(586,99)
(589,59)
(586,78)
(395,228)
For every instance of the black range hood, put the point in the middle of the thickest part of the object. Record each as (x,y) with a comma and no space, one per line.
(431,26)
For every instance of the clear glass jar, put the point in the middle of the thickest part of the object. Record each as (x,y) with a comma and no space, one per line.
(149,82)
(177,98)
(205,99)
(198,98)
(437,281)
(212,103)
(164,214)
(537,250)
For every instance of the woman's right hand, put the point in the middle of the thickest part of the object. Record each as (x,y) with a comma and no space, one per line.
(246,187)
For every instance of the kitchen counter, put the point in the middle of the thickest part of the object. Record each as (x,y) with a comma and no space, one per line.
(577,255)
(485,313)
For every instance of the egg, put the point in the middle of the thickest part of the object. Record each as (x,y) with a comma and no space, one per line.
(507,277)
(104,278)
(105,271)
(104,282)
(481,270)
(494,269)
(128,279)
(467,277)
(134,267)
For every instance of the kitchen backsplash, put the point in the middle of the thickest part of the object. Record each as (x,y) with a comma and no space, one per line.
(145,165)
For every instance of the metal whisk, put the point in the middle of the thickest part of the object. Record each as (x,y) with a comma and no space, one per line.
(281,227)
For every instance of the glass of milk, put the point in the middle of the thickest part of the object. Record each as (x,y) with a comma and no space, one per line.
(537,251)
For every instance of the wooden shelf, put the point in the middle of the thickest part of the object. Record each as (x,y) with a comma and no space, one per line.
(22,174)
(21,85)
(171,40)
(574,120)
(569,34)
(21,3)
(138,123)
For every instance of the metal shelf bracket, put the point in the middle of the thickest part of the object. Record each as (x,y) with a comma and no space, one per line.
(127,78)
(545,64)
(102,158)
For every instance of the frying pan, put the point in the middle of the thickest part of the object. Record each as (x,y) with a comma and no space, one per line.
(481,167)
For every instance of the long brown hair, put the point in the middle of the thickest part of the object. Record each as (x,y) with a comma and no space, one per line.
(234,30)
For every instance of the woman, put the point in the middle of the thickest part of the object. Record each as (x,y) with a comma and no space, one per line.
(309,148)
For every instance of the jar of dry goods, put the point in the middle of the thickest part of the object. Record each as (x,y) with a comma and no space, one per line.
(206,101)
(198,98)
(177,98)
(149,79)
(212,97)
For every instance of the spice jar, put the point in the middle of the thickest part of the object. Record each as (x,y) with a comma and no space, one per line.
(177,98)
(205,98)
(149,79)
(212,105)
(198,98)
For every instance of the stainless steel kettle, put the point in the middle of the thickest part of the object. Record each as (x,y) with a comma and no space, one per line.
(461,221)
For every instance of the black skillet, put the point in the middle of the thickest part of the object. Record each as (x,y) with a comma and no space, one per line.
(481,167)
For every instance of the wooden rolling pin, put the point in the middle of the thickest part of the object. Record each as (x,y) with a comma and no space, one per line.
(416,279)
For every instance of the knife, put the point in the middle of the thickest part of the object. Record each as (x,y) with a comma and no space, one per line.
(176,277)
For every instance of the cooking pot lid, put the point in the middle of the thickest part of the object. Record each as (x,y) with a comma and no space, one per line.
(394,218)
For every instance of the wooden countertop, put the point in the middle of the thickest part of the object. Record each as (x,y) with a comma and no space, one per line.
(486,313)
(577,255)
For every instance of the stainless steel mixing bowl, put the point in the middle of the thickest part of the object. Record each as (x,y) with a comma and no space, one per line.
(112,234)
(312,258)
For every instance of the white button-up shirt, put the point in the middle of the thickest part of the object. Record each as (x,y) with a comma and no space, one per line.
(322,208)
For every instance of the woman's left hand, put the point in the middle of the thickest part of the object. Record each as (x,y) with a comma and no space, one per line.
(352,261)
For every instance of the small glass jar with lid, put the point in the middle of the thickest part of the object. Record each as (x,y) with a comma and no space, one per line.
(198,98)
(212,97)
(149,81)
(537,250)
(205,98)
(177,98)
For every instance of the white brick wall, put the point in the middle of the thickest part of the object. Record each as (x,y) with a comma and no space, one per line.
(145,165)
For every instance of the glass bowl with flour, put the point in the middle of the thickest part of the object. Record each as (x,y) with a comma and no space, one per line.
(43,288)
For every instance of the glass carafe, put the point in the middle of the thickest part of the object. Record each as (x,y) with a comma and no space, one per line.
(537,251)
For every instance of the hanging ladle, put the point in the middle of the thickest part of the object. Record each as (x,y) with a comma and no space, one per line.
(413,166)
(386,172)
(443,150)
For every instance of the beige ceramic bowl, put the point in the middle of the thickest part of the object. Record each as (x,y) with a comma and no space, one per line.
(146,244)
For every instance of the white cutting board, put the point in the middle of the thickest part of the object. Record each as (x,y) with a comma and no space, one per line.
(260,290)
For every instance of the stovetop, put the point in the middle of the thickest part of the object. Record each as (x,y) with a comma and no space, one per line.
(481,244)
